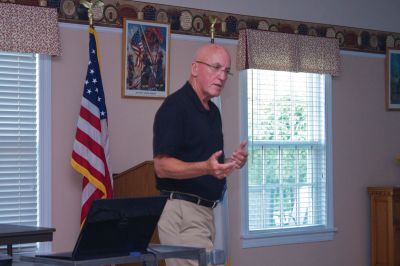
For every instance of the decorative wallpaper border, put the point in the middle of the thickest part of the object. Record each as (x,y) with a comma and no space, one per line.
(197,22)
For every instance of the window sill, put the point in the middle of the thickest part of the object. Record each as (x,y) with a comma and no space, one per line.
(296,236)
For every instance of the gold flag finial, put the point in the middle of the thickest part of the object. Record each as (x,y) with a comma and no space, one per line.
(213,21)
(90,5)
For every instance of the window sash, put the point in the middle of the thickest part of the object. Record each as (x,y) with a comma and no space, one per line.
(19,141)
(260,195)
(318,183)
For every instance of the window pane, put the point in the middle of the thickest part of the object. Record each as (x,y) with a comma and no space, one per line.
(19,141)
(286,166)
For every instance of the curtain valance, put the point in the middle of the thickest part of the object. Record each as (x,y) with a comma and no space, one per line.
(29,29)
(258,49)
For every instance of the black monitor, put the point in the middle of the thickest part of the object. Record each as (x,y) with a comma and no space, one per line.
(117,227)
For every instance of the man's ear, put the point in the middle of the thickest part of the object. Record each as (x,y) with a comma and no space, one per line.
(194,69)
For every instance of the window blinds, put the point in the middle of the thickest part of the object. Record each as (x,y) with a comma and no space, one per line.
(19,139)
(287,150)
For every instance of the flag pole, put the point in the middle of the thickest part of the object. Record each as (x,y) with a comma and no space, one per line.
(92,145)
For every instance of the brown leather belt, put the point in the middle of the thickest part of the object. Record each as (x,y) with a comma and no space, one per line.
(191,198)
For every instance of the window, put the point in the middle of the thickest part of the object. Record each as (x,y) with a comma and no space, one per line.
(25,139)
(287,184)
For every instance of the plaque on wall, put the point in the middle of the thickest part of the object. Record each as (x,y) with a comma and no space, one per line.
(186,20)
(110,13)
(273,27)
(68,8)
(330,32)
(149,12)
(373,41)
(231,24)
(198,24)
(312,32)
(82,12)
(174,20)
(126,11)
(98,12)
(302,29)
(389,41)
(242,25)
(162,16)
(340,37)
(263,25)
(363,39)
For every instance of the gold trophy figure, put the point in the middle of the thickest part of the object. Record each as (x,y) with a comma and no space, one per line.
(90,5)
(213,20)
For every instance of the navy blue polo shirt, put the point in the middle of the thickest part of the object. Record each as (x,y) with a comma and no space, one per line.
(185,130)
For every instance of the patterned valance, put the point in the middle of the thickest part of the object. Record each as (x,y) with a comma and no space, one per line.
(29,29)
(260,49)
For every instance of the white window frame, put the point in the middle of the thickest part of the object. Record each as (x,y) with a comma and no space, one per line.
(43,105)
(286,235)
(45,147)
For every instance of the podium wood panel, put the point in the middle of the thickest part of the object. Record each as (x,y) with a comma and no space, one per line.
(138,181)
(385,226)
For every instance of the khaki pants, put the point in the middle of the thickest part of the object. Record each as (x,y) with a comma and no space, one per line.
(186,224)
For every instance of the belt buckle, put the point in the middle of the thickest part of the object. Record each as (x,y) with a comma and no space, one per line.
(198,200)
(214,204)
(171,195)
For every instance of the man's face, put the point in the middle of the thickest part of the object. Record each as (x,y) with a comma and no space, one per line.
(212,72)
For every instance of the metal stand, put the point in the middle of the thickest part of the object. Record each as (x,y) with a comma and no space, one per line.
(155,254)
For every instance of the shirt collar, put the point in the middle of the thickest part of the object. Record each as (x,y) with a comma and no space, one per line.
(194,98)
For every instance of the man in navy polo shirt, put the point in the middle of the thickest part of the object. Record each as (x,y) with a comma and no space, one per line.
(189,160)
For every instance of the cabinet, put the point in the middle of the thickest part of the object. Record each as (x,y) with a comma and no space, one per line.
(385,226)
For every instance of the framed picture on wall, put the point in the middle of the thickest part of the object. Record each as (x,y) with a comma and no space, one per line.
(145,59)
(393,79)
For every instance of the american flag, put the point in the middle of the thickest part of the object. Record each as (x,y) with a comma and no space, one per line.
(136,42)
(138,48)
(90,155)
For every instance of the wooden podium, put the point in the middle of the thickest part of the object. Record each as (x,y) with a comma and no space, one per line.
(138,181)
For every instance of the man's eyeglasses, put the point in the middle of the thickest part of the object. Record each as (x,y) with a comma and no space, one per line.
(216,68)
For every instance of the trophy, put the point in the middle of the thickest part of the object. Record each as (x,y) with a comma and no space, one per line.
(90,5)
(213,20)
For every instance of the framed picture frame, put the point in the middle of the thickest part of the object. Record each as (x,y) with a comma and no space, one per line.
(392,93)
(145,59)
